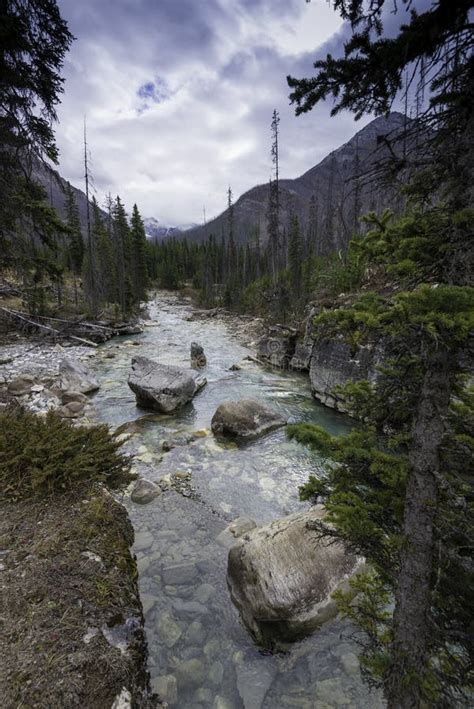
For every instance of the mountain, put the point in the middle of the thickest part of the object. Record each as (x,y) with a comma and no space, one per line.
(155,230)
(349,182)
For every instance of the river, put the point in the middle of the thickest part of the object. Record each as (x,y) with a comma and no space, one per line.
(200,655)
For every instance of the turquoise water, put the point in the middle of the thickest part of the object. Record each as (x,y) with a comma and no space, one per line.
(200,654)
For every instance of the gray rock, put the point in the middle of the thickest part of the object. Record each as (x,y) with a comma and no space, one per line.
(68,396)
(72,410)
(254,679)
(179,574)
(245,419)
(333,364)
(166,687)
(330,692)
(216,673)
(74,376)
(240,526)
(301,358)
(145,491)
(196,633)
(143,540)
(277,347)
(198,358)
(169,631)
(162,387)
(190,673)
(281,577)
(204,592)
(21,385)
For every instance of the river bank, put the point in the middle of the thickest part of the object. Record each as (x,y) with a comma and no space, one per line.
(200,655)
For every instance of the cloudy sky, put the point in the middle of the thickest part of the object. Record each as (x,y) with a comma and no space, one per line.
(179,94)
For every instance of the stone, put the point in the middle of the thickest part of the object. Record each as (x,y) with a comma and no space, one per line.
(166,687)
(333,364)
(277,347)
(240,526)
(350,663)
(179,574)
(169,631)
(330,692)
(216,673)
(198,358)
(144,491)
(204,592)
(196,633)
(254,679)
(281,577)
(190,673)
(204,695)
(72,410)
(143,540)
(37,388)
(148,603)
(223,703)
(21,385)
(75,376)
(245,419)
(162,387)
(235,368)
(68,396)
(301,358)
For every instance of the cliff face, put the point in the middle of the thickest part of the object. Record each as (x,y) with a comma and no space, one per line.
(345,185)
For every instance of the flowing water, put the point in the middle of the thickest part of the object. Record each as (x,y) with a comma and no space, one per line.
(200,654)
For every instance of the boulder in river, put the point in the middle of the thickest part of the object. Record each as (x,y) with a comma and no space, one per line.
(198,357)
(162,387)
(281,577)
(74,376)
(245,418)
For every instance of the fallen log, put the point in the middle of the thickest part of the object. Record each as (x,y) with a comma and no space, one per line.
(27,322)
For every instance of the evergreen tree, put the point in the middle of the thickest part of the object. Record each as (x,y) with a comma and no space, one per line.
(138,249)
(397,483)
(122,249)
(295,254)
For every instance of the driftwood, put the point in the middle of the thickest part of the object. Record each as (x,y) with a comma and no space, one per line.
(27,322)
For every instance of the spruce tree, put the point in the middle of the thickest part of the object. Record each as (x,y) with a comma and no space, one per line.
(295,254)
(138,253)
(396,482)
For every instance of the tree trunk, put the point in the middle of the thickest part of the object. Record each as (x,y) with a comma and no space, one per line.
(413,595)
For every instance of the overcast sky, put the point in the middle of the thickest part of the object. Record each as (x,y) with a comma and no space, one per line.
(179,94)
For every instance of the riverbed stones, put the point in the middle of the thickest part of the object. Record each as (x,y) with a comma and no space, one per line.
(190,673)
(72,410)
(179,574)
(144,491)
(21,385)
(198,357)
(281,577)
(254,679)
(166,687)
(75,376)
(246,418)
(162,387)
(169,631)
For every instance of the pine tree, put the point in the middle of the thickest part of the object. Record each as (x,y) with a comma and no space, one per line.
(295,254)
(122,249)
(397,481)
(138,249)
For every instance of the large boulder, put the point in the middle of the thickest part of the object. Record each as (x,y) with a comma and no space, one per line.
(198,357)
(281,577)
(162,387)
(245,418)
(74,376)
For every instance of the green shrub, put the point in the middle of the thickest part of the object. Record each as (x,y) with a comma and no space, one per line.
(45,455)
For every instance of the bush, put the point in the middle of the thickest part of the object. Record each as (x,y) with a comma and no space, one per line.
(45,455)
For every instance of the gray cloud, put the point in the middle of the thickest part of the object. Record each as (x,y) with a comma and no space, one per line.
(179,94)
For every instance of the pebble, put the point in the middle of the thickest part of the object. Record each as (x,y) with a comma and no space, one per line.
(169,631)
(143,540)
